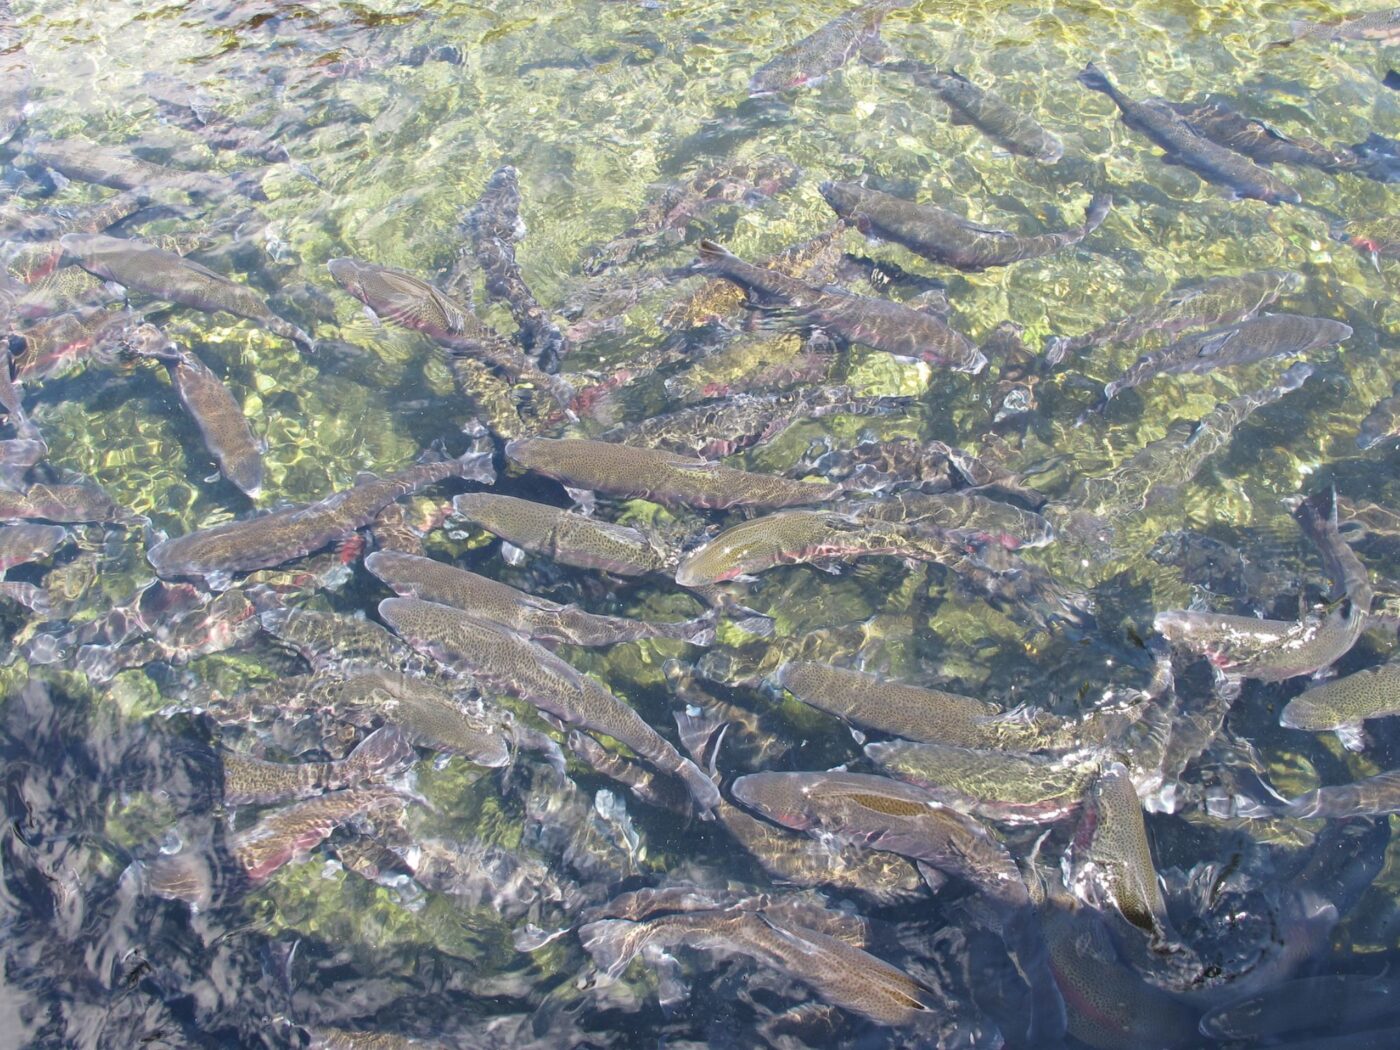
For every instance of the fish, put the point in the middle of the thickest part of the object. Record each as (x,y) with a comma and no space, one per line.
(403,299)
(22,544)
(1276,650)
(799,537)
(1377,236)
(251,781)
(1332,1003)
(1217,301)
(1382,27)
(662,792)
(1382,422)
(1376,796)
(329,1037)
(1010,128)
(221,422)
(1111,858)
(518,667)
(992,785)
(340,645)
(945,237)
(563,536)
(66,504)
(15,75)
(1378,157)
(280,834)
(662,477)
(846,976)
(494,224)
(30,595)
(293,532)
(49,224)
(87,161)
(164,275)
(526,614)
(812,59)
(1271,335)
(1343,704)
(1259,140)
(881,324)
(1182,145)
(11,400)
(989,520)
(61,344)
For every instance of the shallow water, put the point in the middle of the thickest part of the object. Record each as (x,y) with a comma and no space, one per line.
(392,118)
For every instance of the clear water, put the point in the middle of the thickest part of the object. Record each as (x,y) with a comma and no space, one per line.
(599,106)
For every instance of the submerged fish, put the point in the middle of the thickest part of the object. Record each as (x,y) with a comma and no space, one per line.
(1383,27)
(1342,705)
(103,166)
(225,429)
(65,504)
(165,275)
(1376,796)
(1156,119)
(514,665)
(882,324)
(294,532)
(341,645)
(1218,301)
(1010,128)
(533,617)
(811,59)
(281,834)
(1272,335)
(843,975)
(662,477)
(1261,141)
(22,544)
(563,536)
(251,781)
(1376,236)
(1382,422)
(945,237)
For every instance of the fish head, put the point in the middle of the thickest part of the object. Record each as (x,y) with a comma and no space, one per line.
(350,275)
(844,197)
(778,796)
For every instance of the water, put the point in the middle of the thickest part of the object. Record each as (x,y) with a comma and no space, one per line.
(365,131)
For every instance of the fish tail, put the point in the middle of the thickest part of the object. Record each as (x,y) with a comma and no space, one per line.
(712,252)
(1094,78)
(1026,941)
(612,944)
(287,330)
(380,754)
(699,729)
(1296,376)
(702,789)
(756,623)
(1099,207)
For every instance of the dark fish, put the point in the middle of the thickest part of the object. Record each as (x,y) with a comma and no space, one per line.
(65,504)
(251,781)
(1008,127)
(945,237)
(10,399)
(1273,335)
(1342,705)
(225,429)
(562,536)
(516,666)
(878,323)
(1156,119)
(811,59)
(536,618)
(281,834)
(22,544)
(1260,141)
(1218,301)
(294,532)
(1382,422)
(103,166)
(1382,27)
(164,275)
(403,299)
(1378,157)
(662,477)
(495,225)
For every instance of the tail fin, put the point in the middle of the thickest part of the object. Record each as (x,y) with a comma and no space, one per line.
(1093,78)
(612,944)
(712,252)
(699,731)
(1099,207)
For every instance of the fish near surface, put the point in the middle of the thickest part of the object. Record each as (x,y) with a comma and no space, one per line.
(662,477)
(1382,27)
(221,422)
(22,544)
(281,834)
(1382,422)
(165,275)
(1156,119)
(810,60)
(881,324)
(294,532)
(1342,705)
(516,666)
(65,504)
(533,617)
(563,536)
(1260,141)
(945,237)
(1013,130)
(253,781)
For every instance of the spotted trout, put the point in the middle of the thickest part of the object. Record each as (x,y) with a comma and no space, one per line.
(294,532)
(1342,705)
(813,58)
(518,667)
(945,237)
(252,781)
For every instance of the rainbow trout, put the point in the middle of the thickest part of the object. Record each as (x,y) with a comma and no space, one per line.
(1259,140)
(1155,118)
(294,532)
(532,617)
(65,504)
(1382,27)
(563,536)
(881,324)
(1218,301)
(841,974)
(102,166)
(281,834)
(1382,422)
(813,58)
(340,645)
(945,237)
(1010,128)
(220,420)
(505,661)
(660,476)
(251,781)
(24,544)
(1342,705)
(1376,796)
(164,275)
